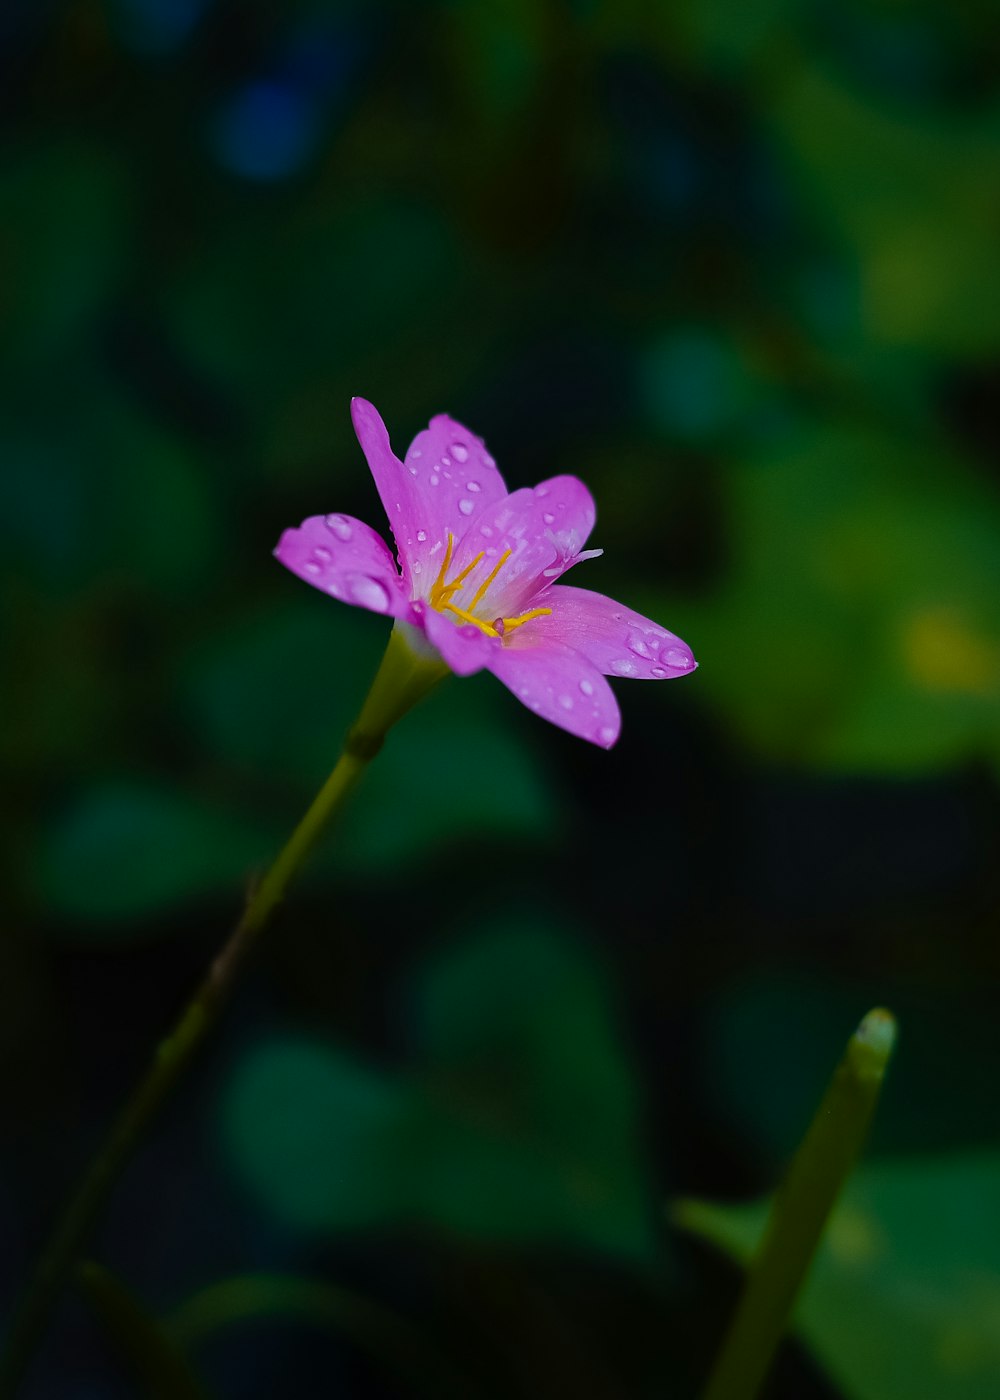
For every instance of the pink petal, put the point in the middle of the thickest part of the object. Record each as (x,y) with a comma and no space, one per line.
(448,476)
(559,684)
(544,529)
(616,640)
(347,559)
(464,648)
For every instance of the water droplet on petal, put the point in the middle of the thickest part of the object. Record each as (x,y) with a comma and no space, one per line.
(460,452)
(549,518)
(657,672)
(340,526)
(466,507)
(638,645)
(586,687)
(674,657)
(541,490)
(323,555)
(312,568)
(411,469)
(435,479)
(416,452)
(566,701)
(421,535)
(624,667)
(472,486)
(369,593)
(607,735)
(416,567)
(485,530)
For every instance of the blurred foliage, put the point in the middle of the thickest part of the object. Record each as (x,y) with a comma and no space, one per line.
(515,1121)
(737,267)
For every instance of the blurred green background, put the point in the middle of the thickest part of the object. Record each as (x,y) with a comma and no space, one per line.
(736,265)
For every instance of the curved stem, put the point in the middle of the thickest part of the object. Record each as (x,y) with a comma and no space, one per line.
(403,678)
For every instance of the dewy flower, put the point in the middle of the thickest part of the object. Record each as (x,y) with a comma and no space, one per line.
(478,583)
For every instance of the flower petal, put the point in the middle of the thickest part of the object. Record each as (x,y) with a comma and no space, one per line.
(562,686)
(347,559)
(448,476)
(465,649)
(618,641)
(544,528)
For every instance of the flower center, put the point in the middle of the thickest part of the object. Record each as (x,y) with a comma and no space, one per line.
(443,591)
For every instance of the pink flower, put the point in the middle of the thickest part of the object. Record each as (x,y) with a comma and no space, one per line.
(480,576)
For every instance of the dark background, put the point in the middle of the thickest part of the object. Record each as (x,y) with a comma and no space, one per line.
(736,265)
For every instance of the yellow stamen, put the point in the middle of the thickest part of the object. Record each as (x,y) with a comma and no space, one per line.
(509,623)
(481,590)
(444,565)
(442,593)
(457,582)
(476,621)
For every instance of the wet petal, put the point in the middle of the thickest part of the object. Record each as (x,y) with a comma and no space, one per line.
(544,528)
(562,686)
(464,648)
(347,559)
(618,641)
(448,476)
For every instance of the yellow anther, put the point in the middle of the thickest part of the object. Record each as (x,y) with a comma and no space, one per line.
(486,627)
(509,623)
(481,590)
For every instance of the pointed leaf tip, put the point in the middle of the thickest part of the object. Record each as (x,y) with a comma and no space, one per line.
(873,1042)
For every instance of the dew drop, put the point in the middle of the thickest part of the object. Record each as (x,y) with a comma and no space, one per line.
(323,555)
(472,486)
(658,672)
(421,535)
(607,735)
(624,667)
(369,593)
(466,506)
(566,701)
(312,568)
(340,526)
(678,658)
(460,452)
(587,687)
(416,567)
(637,645)
(541,490)
(434,478)
(485,530)
(549,518)
(416,453)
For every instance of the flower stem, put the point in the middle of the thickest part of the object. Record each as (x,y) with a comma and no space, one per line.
(800,1211)
(403,678)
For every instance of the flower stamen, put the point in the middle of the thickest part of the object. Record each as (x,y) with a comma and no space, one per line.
(482,589)
(442,593)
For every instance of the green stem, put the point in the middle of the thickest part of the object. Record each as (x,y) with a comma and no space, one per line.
(406,674)
(800,1212)
(152,1359)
